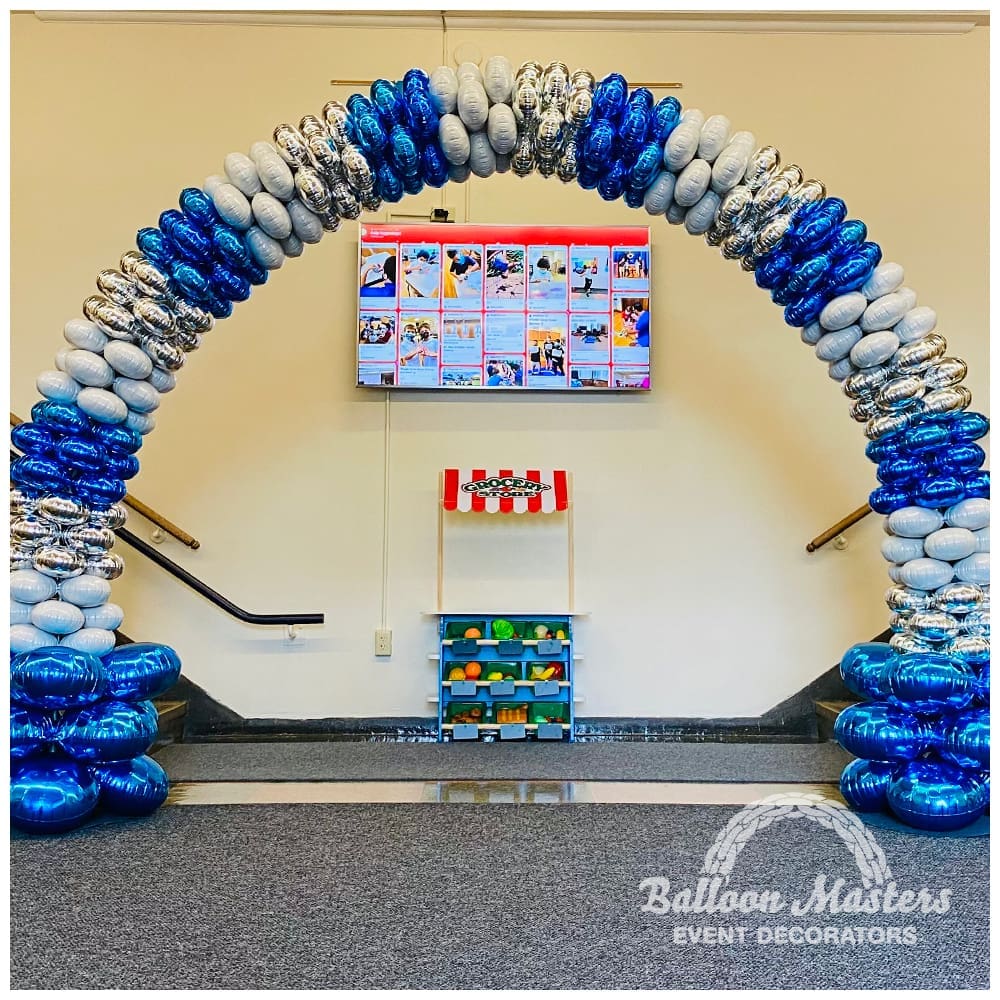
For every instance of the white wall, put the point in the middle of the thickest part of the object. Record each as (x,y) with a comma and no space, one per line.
(693,503)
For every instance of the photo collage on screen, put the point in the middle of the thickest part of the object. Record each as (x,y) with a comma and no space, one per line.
(504,307)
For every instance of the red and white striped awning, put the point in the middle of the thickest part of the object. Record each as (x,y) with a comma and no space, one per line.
(506,491)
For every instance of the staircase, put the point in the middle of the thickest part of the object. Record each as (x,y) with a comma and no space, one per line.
(170,709)
(826,716)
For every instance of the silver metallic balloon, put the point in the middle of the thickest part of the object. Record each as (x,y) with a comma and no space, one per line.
(554,85)
(117,287)
(933,626)
(864,408)
(901,392)
(116,321)
(31,533)
(793,174)
(904,642)
(578,105)
(113,517)
(344,201)
(58,562)
(310,125)
(905,600)
(337,119)
(947,400)
(770,234)
(548,132)
(805,194)
(919,355)
(148,277)
(191,317)
(108,567)
(356,169)
(292,147)
(566,168)
(769,197)
(62,511)
(312,190)
(20,503)
(187,340)
(91,540)
(957,597)
(945,373)
(886,423)
(863,383)
(154,317)
(763,163)
(527,101)
(325,156)
(522,160)
(20,559)
(735,207)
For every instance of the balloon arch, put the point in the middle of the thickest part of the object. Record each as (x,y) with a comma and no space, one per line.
(81,715)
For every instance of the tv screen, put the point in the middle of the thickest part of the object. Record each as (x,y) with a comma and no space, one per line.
(444,306)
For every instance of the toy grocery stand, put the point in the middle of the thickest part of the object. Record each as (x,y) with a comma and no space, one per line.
(506,674)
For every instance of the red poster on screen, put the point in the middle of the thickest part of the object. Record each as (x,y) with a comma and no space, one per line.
(445,306)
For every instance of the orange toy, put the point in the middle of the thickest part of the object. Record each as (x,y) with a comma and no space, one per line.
(473,670)
(473,633)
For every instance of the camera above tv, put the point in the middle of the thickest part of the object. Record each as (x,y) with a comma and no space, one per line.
(496,307)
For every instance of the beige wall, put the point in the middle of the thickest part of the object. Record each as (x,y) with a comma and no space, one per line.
(694,503)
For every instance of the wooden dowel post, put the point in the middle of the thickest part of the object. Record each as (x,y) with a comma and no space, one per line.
(842,525)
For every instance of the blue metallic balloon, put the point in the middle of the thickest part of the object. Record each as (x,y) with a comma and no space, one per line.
(983,685)
(664,118)
(388,184)
(813,225)
(977,484)
(82,454)
(965,739)
(255,273)
(49,794)
(885,448)
(99,491)
(851,272)
(847,237)
(413,184)
(886,499)
(199,208)
(41,475)
(56,677)
(865,783)
(939,491)
(598,149)
(190,240)
(229,247)
(635,124)
(141,670)
(804,311)
(967,425)
(388,102)
(108,730)
(192,281)
(610,96)
(806,275)
(901,470)
(959,459)
(634,197)
(612,184)
(219,307)
(421,116)
(930,683)
(588,177)
(34,439)
(404,153)
(229,285)
(157,246)
(933,795)
(433,166)
(132,787)
(30,731)
(773,269)
(117,438)
(646,167)
(122,466)
(371,137)
(67,418)
(925,437)
(863,666)
(879,731)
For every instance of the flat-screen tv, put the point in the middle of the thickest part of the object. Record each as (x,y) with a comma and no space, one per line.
(477,307)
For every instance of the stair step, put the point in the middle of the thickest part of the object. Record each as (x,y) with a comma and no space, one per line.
(171,721)
(826,716)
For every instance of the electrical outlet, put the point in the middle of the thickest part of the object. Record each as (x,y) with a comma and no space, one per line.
(383,642)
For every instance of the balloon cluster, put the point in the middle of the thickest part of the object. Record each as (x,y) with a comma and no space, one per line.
(922,738)
(79,731)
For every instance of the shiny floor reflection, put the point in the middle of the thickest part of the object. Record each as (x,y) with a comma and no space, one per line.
(481,792)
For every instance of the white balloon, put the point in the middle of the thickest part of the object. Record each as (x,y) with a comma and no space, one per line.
(926,574)
(292,246)
(24,638)
(443,89)
(884,312)
(676,214)
(305,223)
(886,278)
(96,641)
(714,137)
(88,368)
(974,568)
(57,617)
(729,167)
(232,206)
(916,324)
(972,513)
(692,183)
(142,423)
(271,215)
(838,343)
(85,335)
(660,193)
(699,217)
(60,358)
(28,586)
(458,172)
(58,386)
(162,381)
(982,539)
(681,145)
(908,296)
(86,591)
(454,139)
(213,182)
(128,360)
(839,370)
(498,80)
(104,616)
(101,405)
(950,543)
(266,250)
(915,522)
(275,174)
(468,71)
(473,104)
(137,395)
(501,127)
(874,349)
(843,311)
(896,549)
(693,116)
(242,174)
(20,614)
(812,334)
(482,159)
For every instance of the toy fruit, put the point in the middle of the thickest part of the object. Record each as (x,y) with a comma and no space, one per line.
(456,674)
(473,633)
(473,670)
(495,676)
(560,634)
(541,631)
(557,671)
(508,677)
(536,670)
(502,629)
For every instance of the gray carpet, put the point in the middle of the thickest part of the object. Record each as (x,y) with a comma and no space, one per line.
(430,896)
(346,761)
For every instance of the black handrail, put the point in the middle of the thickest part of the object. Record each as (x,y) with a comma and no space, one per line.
(180,573)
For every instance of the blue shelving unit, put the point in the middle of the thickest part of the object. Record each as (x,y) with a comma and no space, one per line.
(521,704)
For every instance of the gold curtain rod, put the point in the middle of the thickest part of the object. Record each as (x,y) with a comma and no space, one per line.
(652,85)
